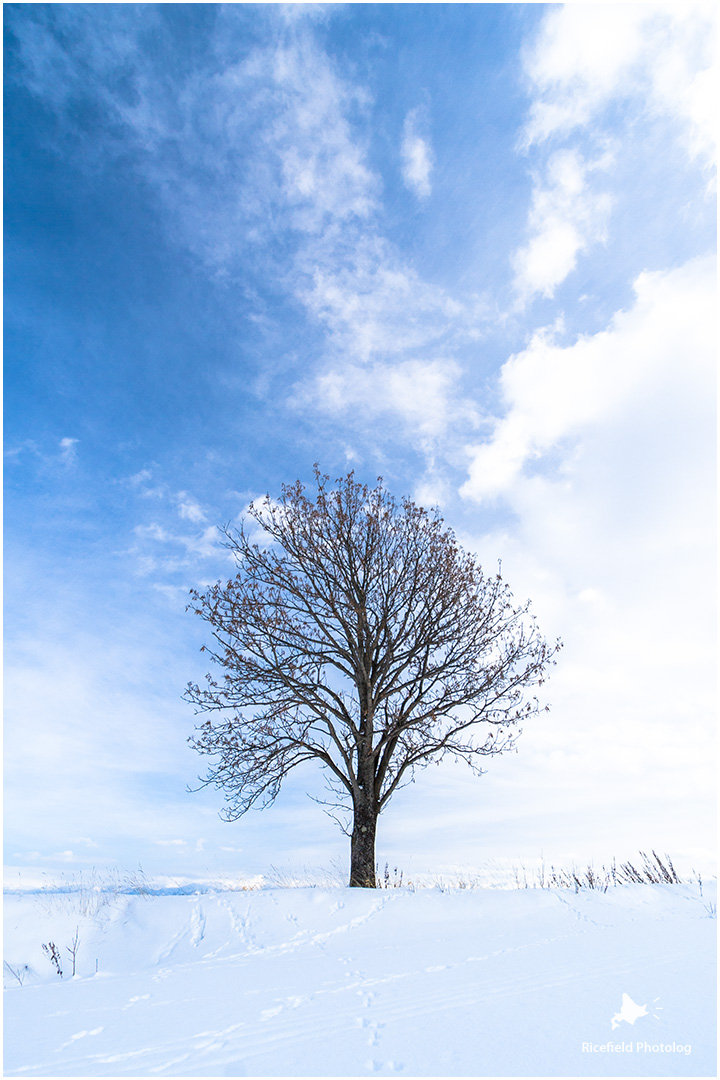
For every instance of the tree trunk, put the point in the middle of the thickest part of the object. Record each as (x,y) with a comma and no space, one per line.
(362,849)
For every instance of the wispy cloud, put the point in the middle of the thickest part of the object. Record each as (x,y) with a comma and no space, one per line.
(157,549)
(176,541)
(374,304)
(189,509)
(417,155)
(64,452)
(68,453)
(424,396)
(325,178)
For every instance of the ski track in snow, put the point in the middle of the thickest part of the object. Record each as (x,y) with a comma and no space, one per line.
(312,982)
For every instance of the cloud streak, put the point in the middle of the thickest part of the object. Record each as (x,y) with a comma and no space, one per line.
(423,396)
(417,156)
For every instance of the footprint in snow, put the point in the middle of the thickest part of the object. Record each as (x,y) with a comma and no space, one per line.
(78,1035)
(134,1000)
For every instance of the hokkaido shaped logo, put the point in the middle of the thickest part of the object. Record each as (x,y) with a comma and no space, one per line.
(629,1012)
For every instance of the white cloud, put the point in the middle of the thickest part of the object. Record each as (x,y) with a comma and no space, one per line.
(348,275)
(68,453)
(140,482)
(433,489)
(324,174)
(656,62)
(423,395)
(189,509)
(63,452)
(417,156)
(159,550)
(261,139)
(373,304)
(376,309)
(140,478)
(578,61)
(588,54)
(658,354)
(205,544)
(606,457)
(152,532)
(566,216)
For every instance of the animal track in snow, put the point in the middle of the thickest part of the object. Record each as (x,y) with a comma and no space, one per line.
(376,1066)
(374,1029)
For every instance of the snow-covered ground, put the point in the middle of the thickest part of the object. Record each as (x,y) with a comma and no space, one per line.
(340,982)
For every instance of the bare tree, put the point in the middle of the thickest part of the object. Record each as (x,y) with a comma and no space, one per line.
(361,636)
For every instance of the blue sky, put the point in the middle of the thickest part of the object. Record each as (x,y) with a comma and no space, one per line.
(469,248)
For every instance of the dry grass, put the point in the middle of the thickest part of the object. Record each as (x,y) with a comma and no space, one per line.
(87,894)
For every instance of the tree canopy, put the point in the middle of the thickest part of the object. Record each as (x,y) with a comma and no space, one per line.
(358,634)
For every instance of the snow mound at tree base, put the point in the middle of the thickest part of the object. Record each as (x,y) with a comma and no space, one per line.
(340,982)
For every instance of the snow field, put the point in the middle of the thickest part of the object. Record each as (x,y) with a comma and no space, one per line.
(340,982)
